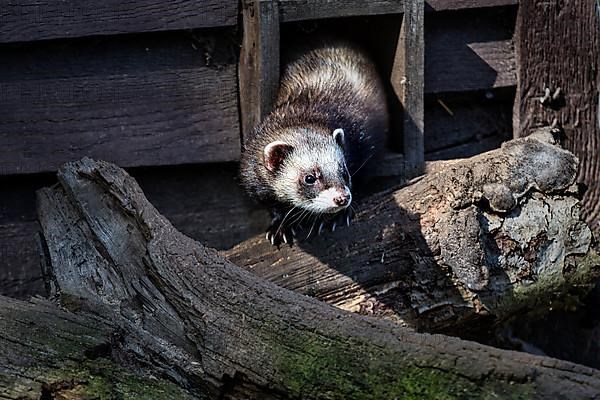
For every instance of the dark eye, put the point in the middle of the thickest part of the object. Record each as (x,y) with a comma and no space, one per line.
(310,179)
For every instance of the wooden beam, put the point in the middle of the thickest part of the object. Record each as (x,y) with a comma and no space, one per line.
(28,20)
(443,5)
(297,10)
(558,44)
(138,101)
(259,61)
(408,82)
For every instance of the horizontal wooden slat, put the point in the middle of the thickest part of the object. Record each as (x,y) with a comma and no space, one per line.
(466,149)
(442,5)
(297,10)
(148,100)
(461,126)
(470,51)
(28,20)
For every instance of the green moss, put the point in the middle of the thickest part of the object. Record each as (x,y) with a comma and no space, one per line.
(103,379)
(557,291)
(331,371)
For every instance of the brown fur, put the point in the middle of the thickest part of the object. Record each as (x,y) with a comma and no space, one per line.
(334,86)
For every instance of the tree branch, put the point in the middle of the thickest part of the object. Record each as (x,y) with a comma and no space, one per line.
(486,236)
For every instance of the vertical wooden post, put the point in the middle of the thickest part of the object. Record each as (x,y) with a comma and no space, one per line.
(259,61)
(408,83)
(558,47)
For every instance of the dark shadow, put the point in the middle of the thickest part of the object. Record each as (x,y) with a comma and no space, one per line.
(385,253)
(469,50)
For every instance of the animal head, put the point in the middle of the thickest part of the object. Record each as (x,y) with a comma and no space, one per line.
(310,171)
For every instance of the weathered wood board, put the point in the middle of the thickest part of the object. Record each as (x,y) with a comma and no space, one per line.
(469,50)
(148,100)
(462,126)
(27,20)
(297,10)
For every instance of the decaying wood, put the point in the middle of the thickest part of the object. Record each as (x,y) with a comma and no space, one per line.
(182,311)
(48,353)
(480,237)
(557,46)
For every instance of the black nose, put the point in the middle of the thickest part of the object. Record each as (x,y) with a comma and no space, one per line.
(341,200)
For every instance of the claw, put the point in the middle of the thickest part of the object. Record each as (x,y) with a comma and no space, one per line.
(272,240)
(333,227)
(310,231)
(321,228)
(268,236)
(347,220)
(285,239)
(293,232)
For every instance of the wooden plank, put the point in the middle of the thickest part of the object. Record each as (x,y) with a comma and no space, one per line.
(557,47)
(205,202)
(259,61)
(452,121)
(297,10)
(163,100)
(20,272)
(443,5)
(27,20)
(470,51)
(408,81)
(464,150)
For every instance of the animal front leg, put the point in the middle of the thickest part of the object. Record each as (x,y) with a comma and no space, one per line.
(280,231)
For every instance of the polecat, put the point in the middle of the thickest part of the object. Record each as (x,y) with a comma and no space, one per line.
(329,119)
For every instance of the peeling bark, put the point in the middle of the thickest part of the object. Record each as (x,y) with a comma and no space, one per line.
(184,312)
(486,236)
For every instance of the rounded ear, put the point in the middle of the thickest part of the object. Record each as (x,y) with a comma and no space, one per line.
(275,153)
(338,136)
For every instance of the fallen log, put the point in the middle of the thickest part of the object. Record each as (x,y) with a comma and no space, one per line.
(48,353)
(183,312)
(485,237)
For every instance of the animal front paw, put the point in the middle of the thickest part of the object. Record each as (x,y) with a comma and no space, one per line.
(331,223)
(279,233)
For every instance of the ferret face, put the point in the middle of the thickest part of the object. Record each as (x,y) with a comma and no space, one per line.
(310,174)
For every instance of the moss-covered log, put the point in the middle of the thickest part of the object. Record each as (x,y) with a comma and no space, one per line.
(487,237)
(47,353)
(184,312)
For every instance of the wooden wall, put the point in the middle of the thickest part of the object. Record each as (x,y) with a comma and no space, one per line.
(152,86)
(559,48)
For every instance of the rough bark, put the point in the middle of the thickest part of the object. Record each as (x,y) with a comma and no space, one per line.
(557,45)
(184,312)
(480,237)
(47,353)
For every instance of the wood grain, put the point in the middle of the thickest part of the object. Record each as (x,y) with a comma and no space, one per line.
(259,61)
(184,312)
(462,126)
(28,20)
(297,10)
(148,100)
(443,5)
(205,202)
(407,79)
(470,50)
(558,45)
